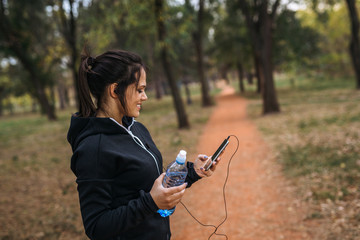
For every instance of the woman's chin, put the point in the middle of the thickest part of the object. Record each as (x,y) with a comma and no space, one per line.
(134,115)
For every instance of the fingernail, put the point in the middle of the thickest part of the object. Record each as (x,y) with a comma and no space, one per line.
(201,168)
(206,157)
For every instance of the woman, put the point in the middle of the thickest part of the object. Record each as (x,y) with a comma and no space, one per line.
(117,164)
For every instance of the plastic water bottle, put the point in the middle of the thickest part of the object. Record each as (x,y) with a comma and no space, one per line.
(175,176)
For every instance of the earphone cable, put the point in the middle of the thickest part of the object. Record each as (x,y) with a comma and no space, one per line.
(224,196)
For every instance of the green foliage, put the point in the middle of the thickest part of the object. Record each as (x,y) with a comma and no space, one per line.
(28,39)
(313,40)
(334,30)
(33,30)
(295,45)
(231,44)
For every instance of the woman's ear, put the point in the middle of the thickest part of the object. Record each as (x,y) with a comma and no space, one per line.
(112,90)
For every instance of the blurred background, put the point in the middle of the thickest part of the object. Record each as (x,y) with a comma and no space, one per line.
(299,59)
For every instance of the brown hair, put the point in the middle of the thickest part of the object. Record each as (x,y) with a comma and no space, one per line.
(95,74)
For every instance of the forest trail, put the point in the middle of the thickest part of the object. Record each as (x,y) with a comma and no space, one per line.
(260,202)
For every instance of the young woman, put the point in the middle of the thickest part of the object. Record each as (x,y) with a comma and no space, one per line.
(117,164)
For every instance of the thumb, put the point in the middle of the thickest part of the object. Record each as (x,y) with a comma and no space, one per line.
(160,178)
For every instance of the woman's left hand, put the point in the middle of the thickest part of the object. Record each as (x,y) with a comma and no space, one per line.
(199,165)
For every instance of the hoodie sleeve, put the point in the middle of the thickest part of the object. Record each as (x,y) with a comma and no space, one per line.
(95,194)
(192,176)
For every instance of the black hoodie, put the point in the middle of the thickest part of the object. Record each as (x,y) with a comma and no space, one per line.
(116,166)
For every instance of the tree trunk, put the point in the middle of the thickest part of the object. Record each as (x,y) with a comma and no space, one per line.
(241,76)
(354,43)
(151,60)
(186,82)
(69,33)
(270,103)
(61,92)
(178,103)
(249,78)
(75,77)
(223,72)
(198,42)
(260,30)
(46,107)
(36,77)
(257,73)
(2,96)
(158,92)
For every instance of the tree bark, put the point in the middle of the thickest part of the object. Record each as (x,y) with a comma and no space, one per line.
(241,76)
(151,61)
(258,73)
(178,103)
(198,42)
(269,93)
(2,94)
(61,92)
(223,71)
(354,46)
(186,82)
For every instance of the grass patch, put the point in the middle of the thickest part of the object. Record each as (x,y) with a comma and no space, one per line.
(38,197)
(316,137)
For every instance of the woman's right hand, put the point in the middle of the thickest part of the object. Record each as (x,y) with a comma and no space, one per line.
(166,198)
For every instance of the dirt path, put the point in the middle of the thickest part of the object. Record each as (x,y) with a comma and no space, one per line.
(260,203)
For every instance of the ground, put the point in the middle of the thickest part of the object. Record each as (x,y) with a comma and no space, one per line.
(261,203)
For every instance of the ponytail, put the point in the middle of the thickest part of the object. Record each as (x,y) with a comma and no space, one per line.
(87,107)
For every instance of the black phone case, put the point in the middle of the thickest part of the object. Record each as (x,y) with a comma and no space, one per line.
(217,153)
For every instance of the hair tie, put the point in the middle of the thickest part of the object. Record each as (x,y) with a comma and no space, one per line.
(91,62)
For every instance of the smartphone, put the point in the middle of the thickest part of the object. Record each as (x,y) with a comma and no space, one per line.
(217,154)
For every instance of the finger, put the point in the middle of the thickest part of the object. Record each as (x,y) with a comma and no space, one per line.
(178,195)
(173,190)
(213,167)
(203,157)
(206,173)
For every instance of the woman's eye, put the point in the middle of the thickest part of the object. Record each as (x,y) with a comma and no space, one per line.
(140,91)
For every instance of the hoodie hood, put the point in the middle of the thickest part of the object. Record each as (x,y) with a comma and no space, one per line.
(81,128)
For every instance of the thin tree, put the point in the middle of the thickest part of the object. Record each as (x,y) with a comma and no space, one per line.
(178,103)
(67,26)
(198,41)
(197,37)
(354,46)
(260,26)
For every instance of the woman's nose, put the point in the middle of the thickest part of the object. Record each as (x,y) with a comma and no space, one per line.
(144,96)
